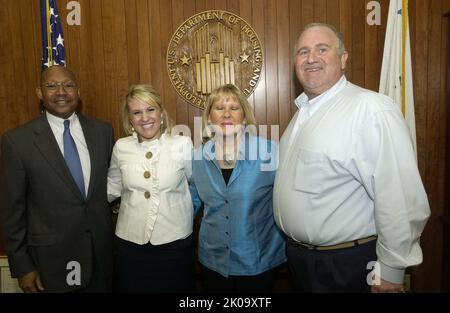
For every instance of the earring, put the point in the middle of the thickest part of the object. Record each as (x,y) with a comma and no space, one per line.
(162,122)
(132,130)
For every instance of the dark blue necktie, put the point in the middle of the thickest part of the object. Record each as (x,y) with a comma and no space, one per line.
(72,158)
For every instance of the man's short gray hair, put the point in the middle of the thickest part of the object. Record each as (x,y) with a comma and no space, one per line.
(339,35)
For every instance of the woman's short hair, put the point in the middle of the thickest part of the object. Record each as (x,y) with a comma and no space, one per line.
(149,95)
(225,91)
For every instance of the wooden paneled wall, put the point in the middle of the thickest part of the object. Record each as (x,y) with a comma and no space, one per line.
(123,42)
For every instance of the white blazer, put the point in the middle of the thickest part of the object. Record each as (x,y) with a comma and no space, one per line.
(152,179)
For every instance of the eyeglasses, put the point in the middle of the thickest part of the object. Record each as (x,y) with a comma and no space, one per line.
(69,86)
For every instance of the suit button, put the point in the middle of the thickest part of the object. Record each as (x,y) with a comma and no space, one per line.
(147,174)
(149,155)
(147,194)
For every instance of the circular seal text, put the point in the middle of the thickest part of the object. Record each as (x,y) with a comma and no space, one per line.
(210,49)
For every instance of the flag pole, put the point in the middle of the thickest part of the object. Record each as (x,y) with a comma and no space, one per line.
(404,33)
(49,33)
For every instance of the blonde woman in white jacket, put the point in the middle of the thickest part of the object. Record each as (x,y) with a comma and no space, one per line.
(150,168)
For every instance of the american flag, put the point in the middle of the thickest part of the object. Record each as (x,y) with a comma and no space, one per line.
(52,36)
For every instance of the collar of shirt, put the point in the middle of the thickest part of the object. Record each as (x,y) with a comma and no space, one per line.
(150,145)
(313,105)
(57,123)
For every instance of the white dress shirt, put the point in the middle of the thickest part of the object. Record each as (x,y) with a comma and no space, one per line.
(152,179)
(57,126)
(308,107)
(350,173)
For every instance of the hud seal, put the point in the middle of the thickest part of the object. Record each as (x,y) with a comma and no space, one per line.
(210,49)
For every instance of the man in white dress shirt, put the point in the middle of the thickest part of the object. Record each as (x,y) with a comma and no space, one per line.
(348,193)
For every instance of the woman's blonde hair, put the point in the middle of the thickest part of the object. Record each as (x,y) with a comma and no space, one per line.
(221,92)
(147,94)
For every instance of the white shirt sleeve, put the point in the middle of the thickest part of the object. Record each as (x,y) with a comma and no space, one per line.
(401,205)
(114,177)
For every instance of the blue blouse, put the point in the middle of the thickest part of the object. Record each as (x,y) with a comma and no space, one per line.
(238,235)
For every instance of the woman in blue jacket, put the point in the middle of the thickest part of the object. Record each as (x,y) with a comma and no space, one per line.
(240,246)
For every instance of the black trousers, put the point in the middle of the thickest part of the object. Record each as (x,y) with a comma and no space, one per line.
(343,270)
(148,268)
(213,282)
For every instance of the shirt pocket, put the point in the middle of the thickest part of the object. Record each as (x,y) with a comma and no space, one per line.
(309,172)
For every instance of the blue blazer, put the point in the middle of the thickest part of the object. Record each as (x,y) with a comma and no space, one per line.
(238,235)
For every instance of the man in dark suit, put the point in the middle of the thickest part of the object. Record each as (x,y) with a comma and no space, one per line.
(57,223)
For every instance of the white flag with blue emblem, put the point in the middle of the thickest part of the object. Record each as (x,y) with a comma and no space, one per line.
(396,71)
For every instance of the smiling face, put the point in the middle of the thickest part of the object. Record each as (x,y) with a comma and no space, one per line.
(227,113)
(59,91)
(145,119)
(318,63)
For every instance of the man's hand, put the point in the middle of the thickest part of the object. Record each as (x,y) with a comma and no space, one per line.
(387,287)
(31,283)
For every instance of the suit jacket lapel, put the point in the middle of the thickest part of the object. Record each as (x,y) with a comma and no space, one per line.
(90,137)
(45,142)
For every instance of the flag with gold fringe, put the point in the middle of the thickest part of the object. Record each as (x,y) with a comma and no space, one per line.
(396,71)
(52,35)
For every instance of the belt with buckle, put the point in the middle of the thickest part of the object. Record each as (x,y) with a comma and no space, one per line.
(348,244)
